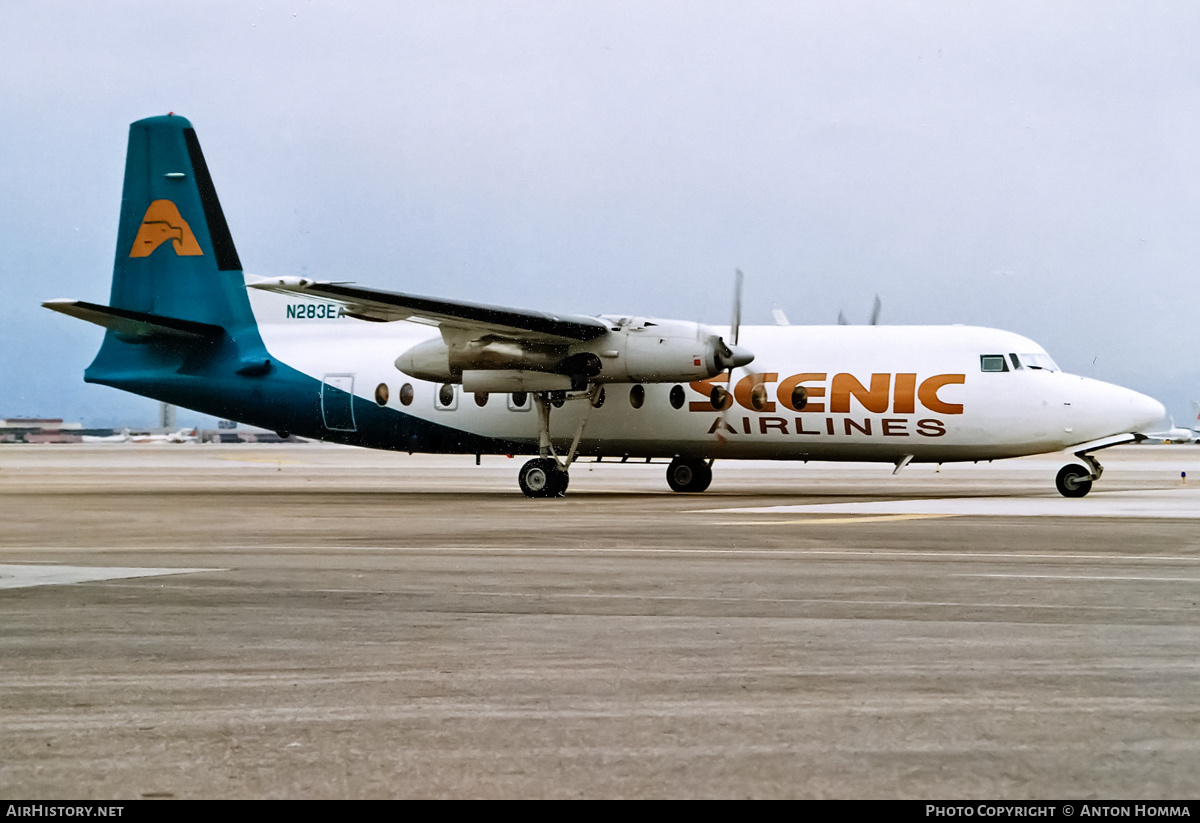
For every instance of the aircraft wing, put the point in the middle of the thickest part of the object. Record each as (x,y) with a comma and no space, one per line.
(478,318)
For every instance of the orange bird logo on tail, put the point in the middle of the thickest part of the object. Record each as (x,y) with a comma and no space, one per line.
(163,222)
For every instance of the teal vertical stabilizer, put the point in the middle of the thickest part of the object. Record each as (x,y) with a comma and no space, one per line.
(178,311)
(180,328)
(175,256)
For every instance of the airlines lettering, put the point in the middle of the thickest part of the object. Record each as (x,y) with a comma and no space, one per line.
(815,392)
(827,426)
(314,311)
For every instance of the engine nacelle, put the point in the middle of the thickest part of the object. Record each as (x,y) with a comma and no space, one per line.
(444,362)
(650,350)
(635,350)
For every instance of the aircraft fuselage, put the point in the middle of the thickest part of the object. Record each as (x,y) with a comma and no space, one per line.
(872,393)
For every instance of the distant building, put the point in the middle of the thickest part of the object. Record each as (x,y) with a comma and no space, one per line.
(54,430)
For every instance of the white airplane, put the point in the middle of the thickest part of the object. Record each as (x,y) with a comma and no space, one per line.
(181,436)
(109,439)
(339,362)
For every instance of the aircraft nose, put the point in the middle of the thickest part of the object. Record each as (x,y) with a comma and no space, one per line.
(1102,409)
(1145,412)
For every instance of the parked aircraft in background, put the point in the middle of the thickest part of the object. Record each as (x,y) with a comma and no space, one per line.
(181,436)
(340,362)
(126,436)
(107,439)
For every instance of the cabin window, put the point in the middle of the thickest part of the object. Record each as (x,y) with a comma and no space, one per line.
(447,398)
(381,394)
(637,396)
(799,398)
(481,398)
(992,362)
(406,394)
(518,401)
(758,397)
(677,397)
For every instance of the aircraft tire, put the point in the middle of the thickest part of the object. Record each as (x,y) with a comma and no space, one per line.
(1073,481)
(688,476)
(541,477)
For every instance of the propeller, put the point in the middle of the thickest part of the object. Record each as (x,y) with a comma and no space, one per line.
(735,323)
(722,396)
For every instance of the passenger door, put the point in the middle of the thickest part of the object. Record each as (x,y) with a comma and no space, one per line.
(337,406)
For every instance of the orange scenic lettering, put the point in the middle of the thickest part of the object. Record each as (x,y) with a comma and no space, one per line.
(845,386)
(705,387)
(787,392)
(902,396)
(751,391)
(928,393)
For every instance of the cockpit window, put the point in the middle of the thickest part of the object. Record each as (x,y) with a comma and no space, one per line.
(1015,360)
(1039,361)
(992,362)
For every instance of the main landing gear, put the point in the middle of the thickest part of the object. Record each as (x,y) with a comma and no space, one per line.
(546,476)
(689,475)
(542,477)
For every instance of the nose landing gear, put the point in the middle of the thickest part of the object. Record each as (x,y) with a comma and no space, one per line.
(1076,481)
(1073,481)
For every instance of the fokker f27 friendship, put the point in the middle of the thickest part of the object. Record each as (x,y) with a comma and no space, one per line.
(338,362)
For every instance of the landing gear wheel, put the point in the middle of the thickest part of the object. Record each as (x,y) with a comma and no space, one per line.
(1073,481)
(542,477)
(688,475)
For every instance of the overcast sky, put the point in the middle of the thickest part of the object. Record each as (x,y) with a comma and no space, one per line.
(1031,166)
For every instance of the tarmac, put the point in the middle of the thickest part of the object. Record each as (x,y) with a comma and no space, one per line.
(315,621)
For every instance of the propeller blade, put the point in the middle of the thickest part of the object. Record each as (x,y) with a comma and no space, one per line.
(875,309)
(722,398)
(736,322)
(842,321)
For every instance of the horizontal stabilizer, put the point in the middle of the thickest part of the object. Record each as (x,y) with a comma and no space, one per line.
(135,323)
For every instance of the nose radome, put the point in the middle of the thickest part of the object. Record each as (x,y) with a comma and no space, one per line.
(1098,409)
(1145,412)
